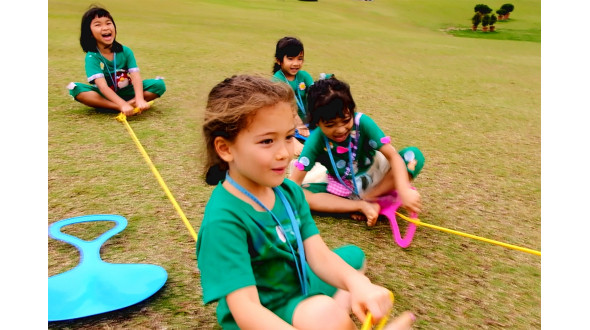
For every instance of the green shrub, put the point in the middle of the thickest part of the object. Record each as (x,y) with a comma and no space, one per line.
(493,19)
(501,12)
(476,19)
(482,9)
(485,21)
(508,7)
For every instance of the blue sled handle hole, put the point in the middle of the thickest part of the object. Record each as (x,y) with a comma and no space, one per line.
(56,233)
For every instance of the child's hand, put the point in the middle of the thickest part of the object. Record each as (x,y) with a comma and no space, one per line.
(303,130)
(298,147)
(127,110)
(411,200)
(142,105)
(371,297)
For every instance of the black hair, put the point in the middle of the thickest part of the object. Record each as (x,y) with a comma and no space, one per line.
(87,41)
(287,46)
(328,98)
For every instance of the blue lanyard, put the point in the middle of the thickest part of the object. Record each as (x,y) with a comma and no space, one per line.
(107,66)
(297,96)
(355,191)
(302,265)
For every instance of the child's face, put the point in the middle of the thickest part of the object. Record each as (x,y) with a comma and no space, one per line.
(103,30)
(262,151)
(337,129)
(290,65)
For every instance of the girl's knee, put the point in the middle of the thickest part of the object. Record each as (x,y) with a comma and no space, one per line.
(321,313)
(159,87)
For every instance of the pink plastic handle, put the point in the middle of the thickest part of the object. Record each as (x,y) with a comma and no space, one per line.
(389,204)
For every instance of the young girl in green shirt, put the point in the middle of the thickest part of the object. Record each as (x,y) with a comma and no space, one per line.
(111,69)
(289,57)
(259,252)
(362,164)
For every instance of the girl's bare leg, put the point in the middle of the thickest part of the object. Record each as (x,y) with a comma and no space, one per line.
(147,96)
(95,100)
(402,322)
(321,313)
(385,186)
(328,203)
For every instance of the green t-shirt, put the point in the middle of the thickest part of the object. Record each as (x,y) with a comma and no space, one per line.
(239,247)
(299,85)
(97,66)
(372,139)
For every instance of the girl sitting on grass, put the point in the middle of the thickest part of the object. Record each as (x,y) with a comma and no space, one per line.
(259,251)
(111,69)
(289,56)
(361,163)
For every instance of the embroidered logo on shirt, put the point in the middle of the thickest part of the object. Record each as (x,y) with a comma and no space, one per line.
(302,86)
(101,66)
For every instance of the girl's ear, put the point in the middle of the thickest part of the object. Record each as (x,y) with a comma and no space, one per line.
(222,148)
(277,61)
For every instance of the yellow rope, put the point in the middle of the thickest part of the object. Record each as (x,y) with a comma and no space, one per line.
(122,118)
(420,223)
(367,324)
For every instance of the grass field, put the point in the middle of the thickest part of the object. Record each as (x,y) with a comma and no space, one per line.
(472,105)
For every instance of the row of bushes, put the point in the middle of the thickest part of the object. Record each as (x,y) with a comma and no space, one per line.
(482,15)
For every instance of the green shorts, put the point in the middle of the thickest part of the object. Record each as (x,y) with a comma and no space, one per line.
(155,86)
(353,256)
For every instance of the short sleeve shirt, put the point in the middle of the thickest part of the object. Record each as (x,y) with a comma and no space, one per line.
(238,247)
(299,85)
(372,139)
(97,66)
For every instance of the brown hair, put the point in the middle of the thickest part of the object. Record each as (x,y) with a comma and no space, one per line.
(229,106)
(328,98)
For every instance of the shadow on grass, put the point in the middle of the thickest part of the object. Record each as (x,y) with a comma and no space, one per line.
(501,33)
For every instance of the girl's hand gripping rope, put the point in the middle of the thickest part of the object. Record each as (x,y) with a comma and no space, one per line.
(410,199)
(122,115)
(142,106)
(383,308)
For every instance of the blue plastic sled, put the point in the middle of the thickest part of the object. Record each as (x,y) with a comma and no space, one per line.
(94,286)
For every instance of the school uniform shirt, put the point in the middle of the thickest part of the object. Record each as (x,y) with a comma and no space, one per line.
(238,247)
(299,85)
(97,66)
(372,139)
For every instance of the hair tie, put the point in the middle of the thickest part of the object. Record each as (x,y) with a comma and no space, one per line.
(214,175)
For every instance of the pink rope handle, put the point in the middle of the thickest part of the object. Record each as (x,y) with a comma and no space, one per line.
(389,205)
